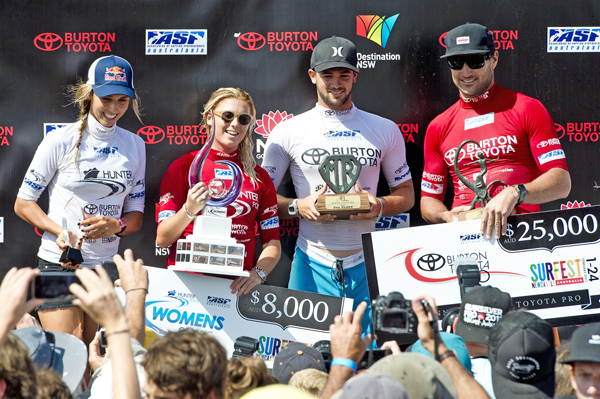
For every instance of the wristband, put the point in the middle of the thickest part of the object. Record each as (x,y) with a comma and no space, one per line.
(380,210)
(116,332)
(135,289)
(340,361)
(188,214)
(446,355)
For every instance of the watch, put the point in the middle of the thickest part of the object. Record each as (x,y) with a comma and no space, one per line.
(123,225)
(522,191)
(293,207)
(261,273)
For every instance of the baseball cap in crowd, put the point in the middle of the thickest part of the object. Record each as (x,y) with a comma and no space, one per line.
(421,376)
(481,308)
(452,342)
(63,353)
(277,391)
(522,354)
(585,344)
(468,39)
(111,75)
(334,52)
(294,357)
(367,386)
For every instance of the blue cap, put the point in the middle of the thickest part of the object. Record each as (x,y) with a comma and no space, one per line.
(453,342)
(111,75)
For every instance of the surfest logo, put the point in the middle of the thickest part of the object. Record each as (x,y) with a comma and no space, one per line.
(579,131)
(90,42)
(503,39)
(5,132)
(378,30)
(278,41)
(175,135)
(264,127)
(562,272)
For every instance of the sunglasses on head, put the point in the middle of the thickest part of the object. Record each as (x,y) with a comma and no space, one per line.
(476,61)
(228,117)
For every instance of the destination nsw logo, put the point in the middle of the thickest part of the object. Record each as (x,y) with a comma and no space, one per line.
(375,28)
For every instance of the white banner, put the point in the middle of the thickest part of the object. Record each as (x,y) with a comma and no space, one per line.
(273,315)
(548,262)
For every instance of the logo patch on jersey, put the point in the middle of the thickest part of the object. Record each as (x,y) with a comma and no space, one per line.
(432,188)
(478,121)
(271,223)
(225,174)
(165,214)
(551,156)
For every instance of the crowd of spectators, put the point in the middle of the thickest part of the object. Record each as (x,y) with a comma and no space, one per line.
(489,351)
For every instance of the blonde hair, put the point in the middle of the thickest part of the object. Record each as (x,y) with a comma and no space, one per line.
(246,146)
(245,374)
(310,380)
(81,95)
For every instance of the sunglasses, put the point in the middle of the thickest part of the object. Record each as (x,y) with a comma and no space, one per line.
(228,117)
(476,61)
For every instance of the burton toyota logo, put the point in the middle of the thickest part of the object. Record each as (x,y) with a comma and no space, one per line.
(251,41)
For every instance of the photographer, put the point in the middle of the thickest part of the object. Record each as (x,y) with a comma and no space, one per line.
(465,385)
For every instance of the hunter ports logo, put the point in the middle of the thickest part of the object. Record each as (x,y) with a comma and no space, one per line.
(574,40)
(277,41)
(503,39)
(375,28)
(175,135)
(90,42)
(264,127)
(176,42)
(378,30)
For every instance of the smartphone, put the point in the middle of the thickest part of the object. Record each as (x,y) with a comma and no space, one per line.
(103,342)
(53,286)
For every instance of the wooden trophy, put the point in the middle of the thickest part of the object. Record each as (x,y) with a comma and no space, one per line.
(340,172)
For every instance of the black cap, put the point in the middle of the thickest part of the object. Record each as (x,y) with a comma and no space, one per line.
(521,351)
(334,52)
(468,39)
(481,308)
(294,357)
(585,344)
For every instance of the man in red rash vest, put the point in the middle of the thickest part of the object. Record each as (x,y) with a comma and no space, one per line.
(513,132)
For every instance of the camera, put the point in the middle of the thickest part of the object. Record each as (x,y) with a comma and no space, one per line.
(244,347)
(53,286)
(468,274)
(392,313)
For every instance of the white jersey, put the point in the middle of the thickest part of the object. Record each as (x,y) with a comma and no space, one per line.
(300,144)
(109,180)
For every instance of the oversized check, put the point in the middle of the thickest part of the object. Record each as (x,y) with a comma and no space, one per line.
(548,261)
(273,315)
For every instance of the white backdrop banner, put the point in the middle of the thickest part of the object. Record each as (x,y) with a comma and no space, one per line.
(273,315)
(547,261)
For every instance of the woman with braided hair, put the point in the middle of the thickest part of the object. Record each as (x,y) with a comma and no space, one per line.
(94,172)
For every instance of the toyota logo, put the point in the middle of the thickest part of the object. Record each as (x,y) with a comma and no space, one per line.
(151,134)
(48,41)
(251,41)
(442,39)
(313,156)
(90,209)
(560,131)
(431,262)
(451,154)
